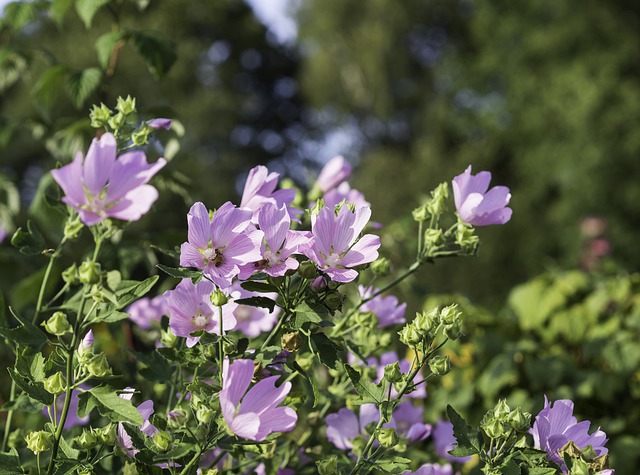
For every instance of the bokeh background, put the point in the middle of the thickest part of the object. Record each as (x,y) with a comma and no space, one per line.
(545,95)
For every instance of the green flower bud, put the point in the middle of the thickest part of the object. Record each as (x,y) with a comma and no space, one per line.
(305,362)
(409,335)
(450,314)
(89,272)
(387,437)
(98,366)
(493,428)
(39,441)
(218,298)
(141,137)
(106,435)
(291,342)
(72,228)
(502,411)
(130,469)
(580,467)
(99,116)
(162,440)
(70,275)
(334,300)
(433,238)
(168,339)
(116,121)
(600,462)
(317,207)
(519,420)
(392,372)
(427,322)
(229,346)
(440,365)
(204,414)
(328,466)
(58,324)
(55,384)
(438,201)
(307,270)
(366,319)
(466,238)
(126,106)
(453,332)
(381,267)
(421,213)
(87,440)
(176,418)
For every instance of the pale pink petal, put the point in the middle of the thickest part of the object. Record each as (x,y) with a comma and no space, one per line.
(277,419)
(135,204)
(245,425)
(362,252)
(199,226)
(190,257)
(130,171)
(69,178)
(264,395)
(237,380)
(99,162)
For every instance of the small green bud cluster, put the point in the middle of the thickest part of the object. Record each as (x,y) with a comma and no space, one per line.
(466,238)
(583,461)
(381,267)
(426,326)
(328,466)
(89,272)
(503,423)
(91,364)
(435,206)
(73,227)
(218,298)
(57,324)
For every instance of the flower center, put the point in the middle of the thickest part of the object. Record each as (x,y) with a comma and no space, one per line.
(212,255)
(333,259)
(243,313)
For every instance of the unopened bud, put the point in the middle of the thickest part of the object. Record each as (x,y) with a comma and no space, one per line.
(580,467)
(99,116)
(307,270)
(116,121)
(502,410)
(366,319)
(204,414)
(70,275)
(466,238)
(409,335)
(334,300)
(453,332)
(141,137)
(98,366)
(219,298)
(176,418)
(381,267)
(87,440)
(72,228)
(55,384)
(519,420)
(161,123)
(437,203)
(168,339)
(440,365)
(328,466)
(450,314)
(421,213)
(387,437)
(39,441)
(126,106)
(427,322)
(162,440)
(493,428)
(291,342)
(89,272)
(58,324)
(392,372)
(319,284)
(106,435)
(433,238)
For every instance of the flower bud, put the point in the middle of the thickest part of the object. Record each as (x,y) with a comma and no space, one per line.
(140,137)
(204,414)
(493,428)
(440,365)
(87,343)
(55,384)
(409,335)
(421,213)
(453,332)
(72,228)
(427,322)
(126,106)
(387,437)
(89,272)
(291,342)
(116,121)
(315,211)
(58,324)
(168,339)
(307,270)
(162,440)
(98,366)
(87,440)
(328,466)
(218,298)
(39,441)
(160,123)
(381,267)
(519,420)
(229,346)
(502,410)
(433,238)
(439,196)
(106,435)
(70,275)
(176,418)
(466,238)
(99,116)
(392,372)
(580,467)
(319,284)
(130,469)
(334,300)
(450,314)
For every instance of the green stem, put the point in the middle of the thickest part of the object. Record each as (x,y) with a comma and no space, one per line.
(195,458)
(221,346)
(275,331)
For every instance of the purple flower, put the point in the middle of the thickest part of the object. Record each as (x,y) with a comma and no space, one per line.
(190,310)
(386,309)
(344,426)
(432,469)
(344,192)
(146,410)
(219,246)
(445,441)
(3,233)
(408,421)
(145,312)
(72,416)
(254,414)
(555,426)
(475,204)
(333,173)
(160,123)
(252,321)
(101,186)
(260,189)
(279,244)
(87,341)
(336,247)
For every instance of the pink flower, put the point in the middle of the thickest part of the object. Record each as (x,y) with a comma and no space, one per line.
(145,312)
(259,189)
(190,310)
(146,410)
(219,246)
(336,246)
(475,204)
(386,309)
(279,244)
(344,426)
(344,191)
(254,414)
(433,469)
(333,173)
(160,123)
(101,186)
(408,421)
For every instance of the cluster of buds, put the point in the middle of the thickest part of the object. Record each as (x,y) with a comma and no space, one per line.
(91,364)
(39,441)
(435,206)
(584,461)
(466,238)
(203,411)
(424,329)
(90,438)
(503,423)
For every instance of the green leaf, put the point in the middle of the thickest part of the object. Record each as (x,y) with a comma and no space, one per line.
(104,47)
(469,439)
(369,392)
(392,464)
(542,471)
(81,84)
(310,380)
(154,367)
(17,15)
(87,9)
(262,302)
(157,51)
(29,242)
(131,290)
(32,388)
(109,404)
(260,287)
(309,313)
(47,90)
(10,463)
(59,9)
(326,349)
(23,403)
(12,68)
(25,334)
(180,272)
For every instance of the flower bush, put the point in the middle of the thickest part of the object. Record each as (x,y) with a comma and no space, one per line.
(277,347)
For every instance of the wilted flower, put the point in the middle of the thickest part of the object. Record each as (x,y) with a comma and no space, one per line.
(190,310)
(433,469)
(220,245)
(146,410)
(254,414)
(260,188)
(475,204)
(555,426)
(336,247)
(445,441)
(333,173)
(145,312)
(386,309)
(101,186)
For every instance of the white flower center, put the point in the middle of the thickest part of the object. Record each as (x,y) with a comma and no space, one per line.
(333,259)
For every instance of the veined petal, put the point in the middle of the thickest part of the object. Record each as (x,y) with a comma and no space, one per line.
(228,221)
(341,275)
(69,178)
(135,204)
(99,162)
(342,427)
(237,380)
(277,419)
(190,257)
(323,229)
(130,171)
(343,230)
(244,248)
(465,184)
(246,425)
(274,223)
(362,252)
(199,226)
(264,395)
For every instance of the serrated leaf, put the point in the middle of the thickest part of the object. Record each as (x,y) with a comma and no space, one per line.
(10,463)
(29,242)
(25,334)
(88,8)
(81,84)
(392,464)
(326,349)
(542,471)
(260,287)
(104,47)
(157,51)
(32,388)
(369,392)
(309,313)
(113,279)
(154,367)
(47,90)
(180,272)
(23,403)
(130,291)
(310,380)
(108,317)
(109,404)
(59,9)
(469,440)
(262,302)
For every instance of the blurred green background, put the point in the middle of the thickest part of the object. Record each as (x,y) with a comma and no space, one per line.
(545,95)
